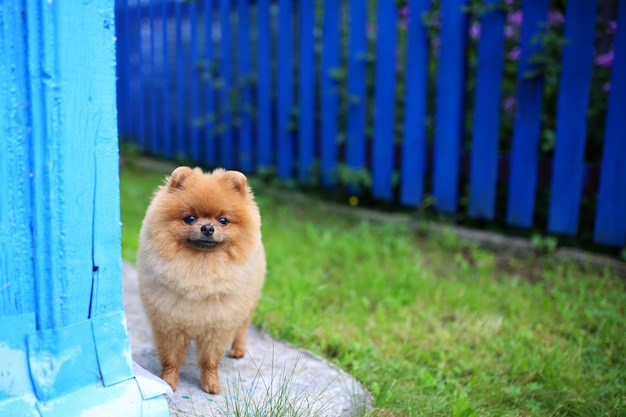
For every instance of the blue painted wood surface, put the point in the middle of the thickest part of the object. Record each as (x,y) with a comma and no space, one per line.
(226,84)
(413,166)
(166,127)
(264,86)
(194,93)
(384,101)
(486,127)
(449,105)
(571,129)
(610,227)
(329,90)
(63,325)
(526,130)
(306,90)
(209,120)
(285,89)
(245,149)
(357,98)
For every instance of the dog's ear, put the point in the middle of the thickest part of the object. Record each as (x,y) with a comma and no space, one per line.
(237,180)
(178,177)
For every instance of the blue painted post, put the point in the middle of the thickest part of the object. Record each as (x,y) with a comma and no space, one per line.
(571,123)
(357,106)
(328,84)
(245,110)
(524,150)
(306,88)
(413,163)
(264,85)
(485,135)
(610,228)
(64,344)
(449,105)
(384,100)
(285,89)
(139,122)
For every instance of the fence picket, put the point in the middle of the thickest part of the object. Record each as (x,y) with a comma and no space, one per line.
(449,105)
(524,152)
(485,135)
(416,81)
(226,86)
(244,151)
(208,87)
(194,132)
(357,106)
(329,89)
(306,90)
(285,89)
(610,227)
(264,85)
(166,126)
(571,128)
(384,101)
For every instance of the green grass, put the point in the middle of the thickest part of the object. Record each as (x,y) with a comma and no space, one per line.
(430,325)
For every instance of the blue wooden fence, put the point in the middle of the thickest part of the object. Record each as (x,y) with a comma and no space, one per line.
(358,92)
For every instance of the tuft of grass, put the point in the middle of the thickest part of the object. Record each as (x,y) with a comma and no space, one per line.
(429,324)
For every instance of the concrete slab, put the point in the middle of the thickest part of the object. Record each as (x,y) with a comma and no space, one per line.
(274,378)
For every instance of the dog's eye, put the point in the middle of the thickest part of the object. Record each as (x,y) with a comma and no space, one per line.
(223,221)
(191,219)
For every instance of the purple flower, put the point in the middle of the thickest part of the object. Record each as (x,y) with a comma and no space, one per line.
(514,53)
(555,18)
(508,104)
(611,27)
(474,30)
(515,18)
(605,60)
(606,87)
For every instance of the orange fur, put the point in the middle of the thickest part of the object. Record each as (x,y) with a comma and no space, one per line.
(198,278)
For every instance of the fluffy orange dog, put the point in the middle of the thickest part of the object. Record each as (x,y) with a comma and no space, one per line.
(201,267)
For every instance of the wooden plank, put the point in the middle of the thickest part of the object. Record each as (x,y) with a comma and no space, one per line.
(285,89)
(245,128)
(449,105)
(328,86)
(194,86)
(357,105)
(124,72)
(413,164)
(151,90)
(264,85)
(486,125)
(139,122)
(226,77)
(180,140)
(610,227)
(306,90)
(166,124)
(526,129)
(384,101)
(17,294)
(209,149)
(571,122)
(70,79)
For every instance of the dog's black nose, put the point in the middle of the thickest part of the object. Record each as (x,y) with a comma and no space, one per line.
(207,229)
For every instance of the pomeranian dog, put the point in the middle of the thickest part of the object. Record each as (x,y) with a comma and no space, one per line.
(201,266)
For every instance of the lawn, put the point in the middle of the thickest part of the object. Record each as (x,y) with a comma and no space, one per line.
(432,326)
